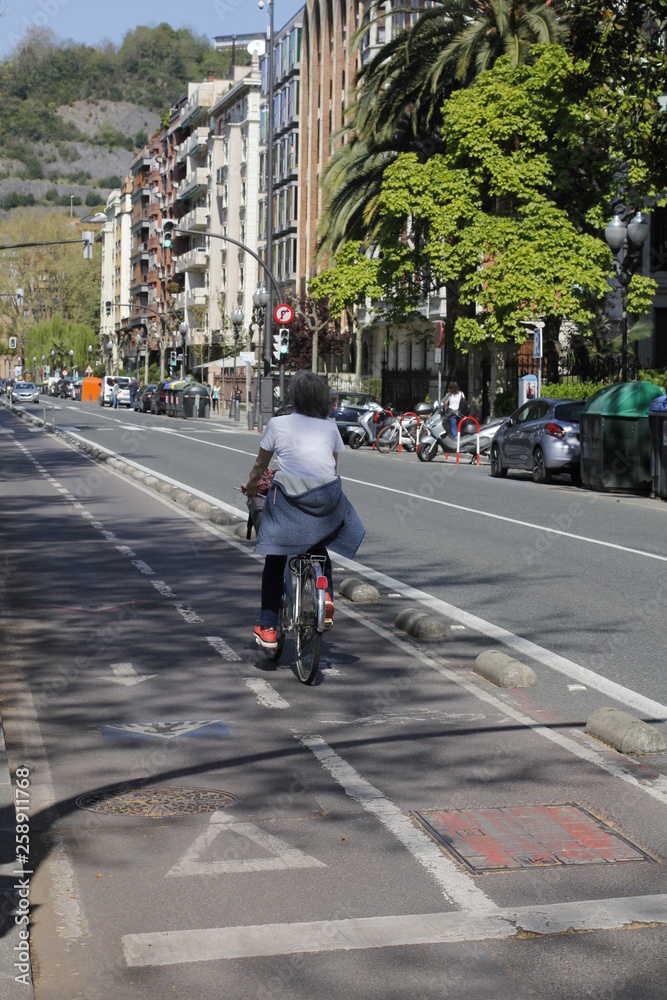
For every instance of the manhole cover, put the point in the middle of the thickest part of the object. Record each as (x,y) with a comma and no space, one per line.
(506,839)
(156,803)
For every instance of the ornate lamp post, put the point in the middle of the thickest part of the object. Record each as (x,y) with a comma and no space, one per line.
(260,298)
(71,362)
(43,369)
(237,320)
(90,355)
(626,242)
(109,348)
(183,330)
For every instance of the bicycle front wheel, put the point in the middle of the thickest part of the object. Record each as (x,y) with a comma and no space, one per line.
(307,640)
(387,439)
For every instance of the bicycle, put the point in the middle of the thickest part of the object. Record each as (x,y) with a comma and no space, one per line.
(395,433)
(302,609)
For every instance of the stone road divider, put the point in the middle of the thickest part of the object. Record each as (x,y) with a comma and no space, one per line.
(181,496)
(165,488)
(199,506)
(358,592)
(503,670)
(219,516)
(625,733)
(420,624)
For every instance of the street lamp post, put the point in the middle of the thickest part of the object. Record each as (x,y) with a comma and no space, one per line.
(53,359)
(237,320)
(260,297)
(34,367)
(183,330)
(43,368)
(137,338)
(90,355)
(626,241)
(71,362)
(110,355)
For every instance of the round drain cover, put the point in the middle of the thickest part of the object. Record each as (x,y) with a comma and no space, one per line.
(156,802)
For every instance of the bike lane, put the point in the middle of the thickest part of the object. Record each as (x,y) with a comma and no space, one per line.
(242,828)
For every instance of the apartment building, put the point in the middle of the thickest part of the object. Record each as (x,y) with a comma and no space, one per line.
(115,237)
(232,206)
(286,122)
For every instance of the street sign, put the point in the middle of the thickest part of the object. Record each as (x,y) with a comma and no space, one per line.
(438,355)
(247,357)
(89,370)
(537,342)
(283,313)
(439,334)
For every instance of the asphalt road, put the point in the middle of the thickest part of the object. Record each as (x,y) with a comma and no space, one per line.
(580,573)
(272,840)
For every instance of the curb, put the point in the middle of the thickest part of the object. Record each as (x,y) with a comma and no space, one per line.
(503,670)
(625,733)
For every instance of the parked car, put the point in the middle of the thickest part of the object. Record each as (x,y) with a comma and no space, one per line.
(124,395)
(24,392)
(142,400)
(106,393)
(346,407)
(541,436)
(159,400)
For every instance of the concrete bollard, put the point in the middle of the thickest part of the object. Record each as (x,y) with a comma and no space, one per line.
(504,670)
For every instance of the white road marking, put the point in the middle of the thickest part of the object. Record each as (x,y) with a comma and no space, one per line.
(575,672)
(281,855)
(163,588)
(264,693)
(190,616)
(456,886)
(143,567)
(223,943)
(509,520)
(124,673)
(220,646)
(125,550)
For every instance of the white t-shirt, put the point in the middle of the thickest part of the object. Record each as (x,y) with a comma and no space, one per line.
(454,401)
(304,446)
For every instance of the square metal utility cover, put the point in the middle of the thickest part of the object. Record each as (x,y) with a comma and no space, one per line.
(509,838)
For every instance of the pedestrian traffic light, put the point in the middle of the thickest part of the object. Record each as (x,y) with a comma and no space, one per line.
(88,240)
(276,346)
(172,358)
(167,233)
(107,306)
(284,344)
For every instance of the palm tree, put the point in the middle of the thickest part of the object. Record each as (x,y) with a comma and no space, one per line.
(400,92)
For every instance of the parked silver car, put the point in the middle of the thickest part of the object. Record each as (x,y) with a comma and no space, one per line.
(541,436)
(24,392)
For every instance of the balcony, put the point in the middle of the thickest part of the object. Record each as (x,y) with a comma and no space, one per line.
(196,179)
(196,297)
(196,219)
(193,260)
(197,141)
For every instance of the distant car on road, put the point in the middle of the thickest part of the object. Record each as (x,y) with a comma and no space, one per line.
(106,393)
(142,400)
(24,392)
(541,436)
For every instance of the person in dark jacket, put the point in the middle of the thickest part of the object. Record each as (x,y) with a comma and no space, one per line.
(306,509)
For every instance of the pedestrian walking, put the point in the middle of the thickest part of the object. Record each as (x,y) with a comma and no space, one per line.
(133,391)
(116,394)
(216,398)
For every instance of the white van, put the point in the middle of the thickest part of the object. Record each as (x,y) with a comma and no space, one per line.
(106,392)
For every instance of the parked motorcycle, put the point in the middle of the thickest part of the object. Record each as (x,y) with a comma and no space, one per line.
(369,424)
(438,434)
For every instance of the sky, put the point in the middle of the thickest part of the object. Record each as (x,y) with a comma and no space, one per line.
(92,21)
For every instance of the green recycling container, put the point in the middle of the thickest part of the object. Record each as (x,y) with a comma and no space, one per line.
(615,437)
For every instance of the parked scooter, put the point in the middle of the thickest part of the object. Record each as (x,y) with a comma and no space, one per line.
(369,424)
(438,434)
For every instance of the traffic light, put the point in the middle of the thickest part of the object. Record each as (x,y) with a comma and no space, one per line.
(172,358)
(167,233)
(107,306)
(88,240)
(276,346)
(284,344)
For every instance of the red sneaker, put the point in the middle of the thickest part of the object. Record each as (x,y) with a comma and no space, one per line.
(266,637)
(328,611)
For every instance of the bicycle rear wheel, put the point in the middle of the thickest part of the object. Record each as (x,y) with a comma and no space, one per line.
(387,439)
(307,640)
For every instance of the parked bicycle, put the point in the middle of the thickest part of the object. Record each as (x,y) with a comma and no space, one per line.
(403,431)
(302,610)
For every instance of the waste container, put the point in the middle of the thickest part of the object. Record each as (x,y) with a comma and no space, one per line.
(657,421)
(615,438)
(195,400)
(527,388)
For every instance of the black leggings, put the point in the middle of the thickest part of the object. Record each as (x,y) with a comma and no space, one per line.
(272,584)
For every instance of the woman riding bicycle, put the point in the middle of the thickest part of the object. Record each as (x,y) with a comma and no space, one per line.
(306,509)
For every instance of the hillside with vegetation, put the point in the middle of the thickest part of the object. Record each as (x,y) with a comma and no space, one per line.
(71,115)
